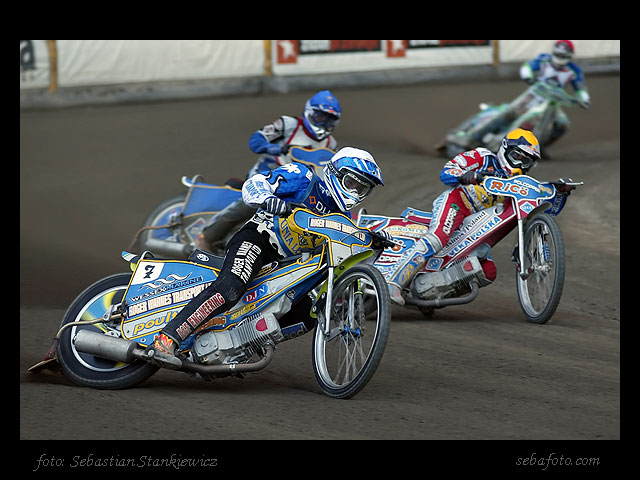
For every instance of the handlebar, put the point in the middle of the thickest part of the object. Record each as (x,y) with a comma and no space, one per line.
(554,92)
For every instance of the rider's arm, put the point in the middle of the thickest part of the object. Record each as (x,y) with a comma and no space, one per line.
(529,69)
(263,140)
(453,170)
(577,82)
(526,73)
(285,182)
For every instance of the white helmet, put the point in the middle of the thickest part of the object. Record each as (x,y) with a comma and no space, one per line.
(562,52)
(350,176)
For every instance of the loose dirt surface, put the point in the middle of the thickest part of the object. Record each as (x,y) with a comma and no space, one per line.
(478,371)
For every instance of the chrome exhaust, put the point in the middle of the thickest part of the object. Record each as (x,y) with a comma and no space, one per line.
(166,248)
(121,350)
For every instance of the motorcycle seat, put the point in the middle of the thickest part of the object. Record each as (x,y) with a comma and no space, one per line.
(202,257)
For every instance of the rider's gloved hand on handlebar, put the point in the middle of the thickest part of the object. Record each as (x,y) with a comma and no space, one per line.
(274,149)
(584,104)
(276,205)
(470,178)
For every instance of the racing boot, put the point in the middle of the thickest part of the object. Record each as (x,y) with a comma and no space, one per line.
(162,351)
(409,264)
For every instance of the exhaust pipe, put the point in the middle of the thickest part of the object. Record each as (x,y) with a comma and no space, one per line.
(443,302)
(166,248)
(105,346)
(121,350)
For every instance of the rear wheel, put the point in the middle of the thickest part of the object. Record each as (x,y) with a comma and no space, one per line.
(88,370)
(345,360)
(163,214)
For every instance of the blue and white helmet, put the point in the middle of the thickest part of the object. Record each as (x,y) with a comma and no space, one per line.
(321,114)
(350,176)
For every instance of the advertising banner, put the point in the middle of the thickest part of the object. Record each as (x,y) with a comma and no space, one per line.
(297,57)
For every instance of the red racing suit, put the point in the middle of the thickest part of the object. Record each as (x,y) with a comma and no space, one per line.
(449,210)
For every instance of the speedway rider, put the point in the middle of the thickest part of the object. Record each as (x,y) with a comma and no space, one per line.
(320,116)
(556,69)
(465,195)
(348,178)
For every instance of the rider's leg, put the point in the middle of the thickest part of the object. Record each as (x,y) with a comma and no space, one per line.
(247,252)
(409,264)
(449,210)
(222,223)
(475,134)
(559,128)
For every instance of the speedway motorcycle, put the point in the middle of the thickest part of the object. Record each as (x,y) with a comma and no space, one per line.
(171,228)
(454,275)
(541,102)
(102,338)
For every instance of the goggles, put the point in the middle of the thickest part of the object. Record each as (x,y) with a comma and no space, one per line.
(354,185)
(324,119)
(517,158)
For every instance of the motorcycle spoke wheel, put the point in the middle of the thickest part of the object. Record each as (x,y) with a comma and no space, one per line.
(162,215)
(539,293)
(345,360)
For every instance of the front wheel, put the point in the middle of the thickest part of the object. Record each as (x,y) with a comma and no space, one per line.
(88,370)
(539,293)
(345,360)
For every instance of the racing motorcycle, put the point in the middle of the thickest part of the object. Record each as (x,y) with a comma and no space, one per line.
(538,115)
(171,228)
(454,275)
(102,338)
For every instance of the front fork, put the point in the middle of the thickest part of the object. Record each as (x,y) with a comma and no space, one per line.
(325,293)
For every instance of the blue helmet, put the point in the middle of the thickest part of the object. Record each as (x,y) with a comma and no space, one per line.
(350,176)
(321,114)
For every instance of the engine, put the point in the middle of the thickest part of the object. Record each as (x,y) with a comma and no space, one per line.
(239,343)
(450,282)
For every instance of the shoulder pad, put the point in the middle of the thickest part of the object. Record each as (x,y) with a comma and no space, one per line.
(483,152)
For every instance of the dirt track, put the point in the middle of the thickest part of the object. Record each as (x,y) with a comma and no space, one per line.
(478,371)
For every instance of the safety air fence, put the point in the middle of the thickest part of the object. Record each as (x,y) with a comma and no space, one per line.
(49,67)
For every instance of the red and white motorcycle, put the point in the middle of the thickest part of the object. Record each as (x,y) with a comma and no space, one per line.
(454,275)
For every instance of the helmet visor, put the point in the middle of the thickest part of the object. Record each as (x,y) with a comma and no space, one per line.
(355,185)
(518,158)
(561,57)
(324,119)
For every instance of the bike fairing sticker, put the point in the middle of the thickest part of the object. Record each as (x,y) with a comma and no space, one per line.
(145,325)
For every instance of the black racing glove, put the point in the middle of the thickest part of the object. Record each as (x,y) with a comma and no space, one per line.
(470,178)
(276,205)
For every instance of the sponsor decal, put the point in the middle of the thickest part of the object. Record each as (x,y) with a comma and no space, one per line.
(147,325)
(200,315)
(446,43)
(244,260)
(337,226)
(448,221)
(169,279)
(165,300)
(473,237)
(509,187)
(254,295)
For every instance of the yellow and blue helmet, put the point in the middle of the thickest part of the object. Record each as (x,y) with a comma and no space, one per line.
(350,176)
(519,151)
